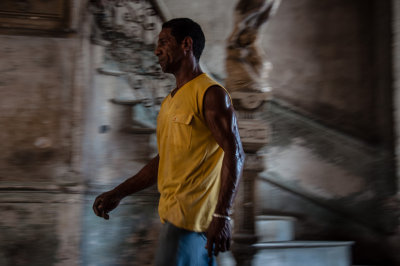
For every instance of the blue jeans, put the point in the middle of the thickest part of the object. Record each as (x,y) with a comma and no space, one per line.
(180,247)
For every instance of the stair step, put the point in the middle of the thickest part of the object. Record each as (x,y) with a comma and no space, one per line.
(303,244)
(271,228)
(304,253)
(297,253)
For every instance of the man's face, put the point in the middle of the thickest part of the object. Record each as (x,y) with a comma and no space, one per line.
(168,51)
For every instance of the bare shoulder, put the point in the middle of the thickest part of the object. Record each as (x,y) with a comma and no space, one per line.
(216,97)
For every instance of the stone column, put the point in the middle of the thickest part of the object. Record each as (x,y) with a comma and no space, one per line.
(254,135)
(247,73)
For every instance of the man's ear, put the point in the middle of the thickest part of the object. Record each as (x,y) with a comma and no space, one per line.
(187,44)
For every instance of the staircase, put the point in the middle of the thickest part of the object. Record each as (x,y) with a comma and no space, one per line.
(276,247)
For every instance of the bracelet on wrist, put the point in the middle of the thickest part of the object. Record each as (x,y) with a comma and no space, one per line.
(222,216)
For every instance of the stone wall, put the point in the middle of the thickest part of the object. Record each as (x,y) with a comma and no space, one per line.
(44,74)
(322,53)
(36,106)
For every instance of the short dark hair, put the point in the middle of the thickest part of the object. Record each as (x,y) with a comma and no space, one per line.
(183,27)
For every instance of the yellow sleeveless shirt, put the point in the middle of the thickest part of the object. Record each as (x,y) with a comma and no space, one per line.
(190,158)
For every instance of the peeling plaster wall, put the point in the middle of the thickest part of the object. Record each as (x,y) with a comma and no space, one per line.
(43,77)
(42,80)
(36,80)
(110,152)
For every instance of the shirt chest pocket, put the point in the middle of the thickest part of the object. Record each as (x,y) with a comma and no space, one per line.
(181,130)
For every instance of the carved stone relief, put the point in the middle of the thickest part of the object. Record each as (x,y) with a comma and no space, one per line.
(128,29)
(246,65)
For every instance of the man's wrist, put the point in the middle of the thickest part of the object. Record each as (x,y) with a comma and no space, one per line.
(223,211)
(221,216)
(119,193)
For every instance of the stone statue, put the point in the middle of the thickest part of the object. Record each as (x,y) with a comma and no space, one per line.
(247,69)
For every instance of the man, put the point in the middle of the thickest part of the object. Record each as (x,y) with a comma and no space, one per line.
(200,156)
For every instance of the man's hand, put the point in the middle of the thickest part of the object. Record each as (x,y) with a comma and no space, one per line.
(105,203)
(218,236)
(108,201)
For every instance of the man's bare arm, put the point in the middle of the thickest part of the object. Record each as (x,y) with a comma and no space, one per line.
(108,201)
(222,122)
